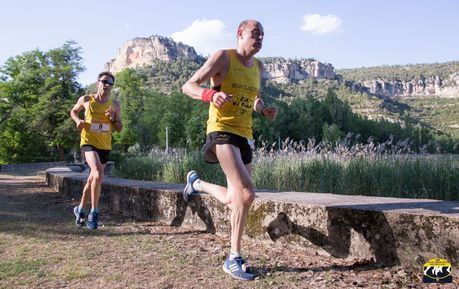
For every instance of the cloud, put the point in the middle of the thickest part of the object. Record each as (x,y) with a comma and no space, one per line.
(321,24)
(205,36)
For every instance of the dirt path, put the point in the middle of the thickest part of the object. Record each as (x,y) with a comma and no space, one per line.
(40,247)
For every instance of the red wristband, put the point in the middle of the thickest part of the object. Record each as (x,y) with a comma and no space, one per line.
(261,112)
(207,94)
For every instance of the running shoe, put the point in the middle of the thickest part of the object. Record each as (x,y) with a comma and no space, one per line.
(236,269)
(79,216)
(191,177)
(93,220)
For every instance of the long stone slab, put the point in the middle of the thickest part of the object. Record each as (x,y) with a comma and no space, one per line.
(391,231)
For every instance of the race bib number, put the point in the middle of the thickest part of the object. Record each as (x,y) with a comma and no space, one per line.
(99,127)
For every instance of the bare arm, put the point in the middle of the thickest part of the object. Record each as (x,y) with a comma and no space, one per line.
(117,124)
(76,110)
(259,105)
(215,67)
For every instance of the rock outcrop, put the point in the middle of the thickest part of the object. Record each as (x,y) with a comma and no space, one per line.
(143,51)
(289,71)
(424,86)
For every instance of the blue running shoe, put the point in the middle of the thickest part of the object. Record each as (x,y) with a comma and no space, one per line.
(191,177)
(93,220)
(236,269)
(79,216)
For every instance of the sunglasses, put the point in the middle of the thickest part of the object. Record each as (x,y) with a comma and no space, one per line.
(105,81)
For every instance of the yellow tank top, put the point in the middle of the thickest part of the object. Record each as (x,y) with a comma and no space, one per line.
(97,129)
(243,83)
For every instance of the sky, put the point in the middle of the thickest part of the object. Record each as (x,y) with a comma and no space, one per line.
(345,33)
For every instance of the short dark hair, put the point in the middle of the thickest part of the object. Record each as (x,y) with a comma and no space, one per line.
(106,73)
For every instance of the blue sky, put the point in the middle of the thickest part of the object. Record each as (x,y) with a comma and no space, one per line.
(345,33)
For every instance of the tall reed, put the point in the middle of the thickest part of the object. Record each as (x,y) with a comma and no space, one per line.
(373,170)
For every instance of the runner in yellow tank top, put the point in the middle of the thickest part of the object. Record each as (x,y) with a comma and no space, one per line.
(235,77)
(101,116)
(243,84)
(97,130)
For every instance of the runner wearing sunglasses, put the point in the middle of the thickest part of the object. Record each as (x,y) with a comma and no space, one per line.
(101,116)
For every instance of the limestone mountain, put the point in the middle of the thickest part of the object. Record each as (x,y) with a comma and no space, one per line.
(143,52)
(139,52)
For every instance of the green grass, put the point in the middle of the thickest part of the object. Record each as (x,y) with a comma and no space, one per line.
(19,267)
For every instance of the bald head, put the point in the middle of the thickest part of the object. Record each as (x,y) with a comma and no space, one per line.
(246,22)
(250,36)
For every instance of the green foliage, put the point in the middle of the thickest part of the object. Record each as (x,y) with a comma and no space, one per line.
(37,90)
(130,93)
(441,114)
(169,76)
(331,133)
(146,113)
(18,145)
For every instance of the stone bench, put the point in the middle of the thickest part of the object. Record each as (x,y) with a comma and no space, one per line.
(391,231)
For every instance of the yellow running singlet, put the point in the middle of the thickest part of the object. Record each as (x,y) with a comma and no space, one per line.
(97,129)
(243,83)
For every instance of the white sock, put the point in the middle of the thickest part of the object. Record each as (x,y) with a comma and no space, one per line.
(234,255)
(197,185)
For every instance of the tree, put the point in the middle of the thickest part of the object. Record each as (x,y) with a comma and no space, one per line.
(37,90)
(331,133)
(132,96)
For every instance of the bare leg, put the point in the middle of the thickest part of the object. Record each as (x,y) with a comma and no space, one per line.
(96,176)
(239,195)
(86,192)
(218,192)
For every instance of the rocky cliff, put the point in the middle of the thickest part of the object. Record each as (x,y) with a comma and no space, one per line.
(287,71)
(143,51)
(424,86)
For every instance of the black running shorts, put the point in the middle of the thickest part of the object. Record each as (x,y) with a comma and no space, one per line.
(221,137)
(103,154)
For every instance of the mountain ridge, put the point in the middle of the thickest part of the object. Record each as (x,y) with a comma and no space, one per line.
(143,51)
